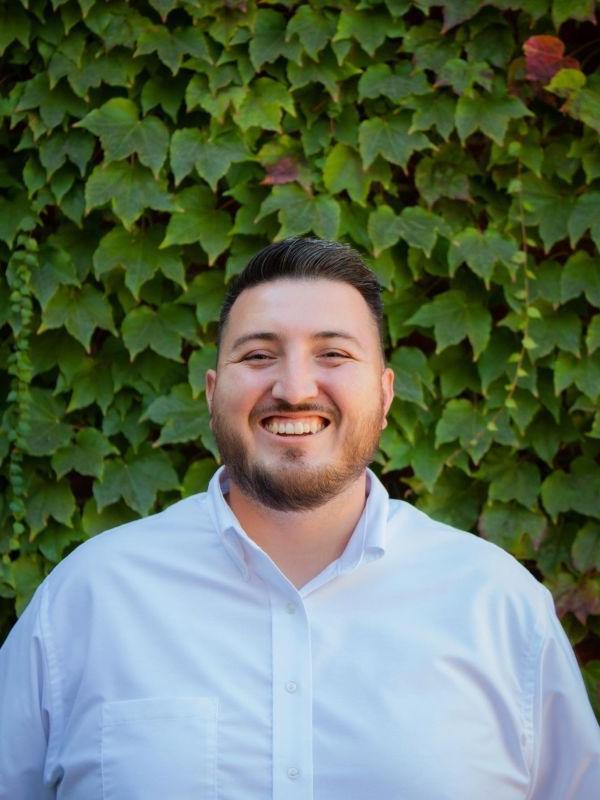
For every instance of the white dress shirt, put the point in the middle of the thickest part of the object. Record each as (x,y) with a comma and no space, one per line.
(170,659)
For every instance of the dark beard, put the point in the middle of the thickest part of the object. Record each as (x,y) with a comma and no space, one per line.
(292,485)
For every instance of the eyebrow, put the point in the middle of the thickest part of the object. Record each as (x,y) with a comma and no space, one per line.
(268,336)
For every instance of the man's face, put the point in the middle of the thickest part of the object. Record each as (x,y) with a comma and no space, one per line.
(300,393)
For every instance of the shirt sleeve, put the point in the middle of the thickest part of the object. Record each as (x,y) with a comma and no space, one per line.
(566,734)
(24,709)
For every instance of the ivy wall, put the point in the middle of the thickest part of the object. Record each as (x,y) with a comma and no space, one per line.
(148,148)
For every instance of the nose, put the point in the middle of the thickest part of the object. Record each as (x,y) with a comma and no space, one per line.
(296,383)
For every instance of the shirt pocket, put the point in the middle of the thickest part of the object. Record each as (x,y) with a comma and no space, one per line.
(159,747)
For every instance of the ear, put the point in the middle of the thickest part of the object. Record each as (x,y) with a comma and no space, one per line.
(387,386)
(210,381)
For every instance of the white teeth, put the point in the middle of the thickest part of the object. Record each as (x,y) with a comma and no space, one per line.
(295,428)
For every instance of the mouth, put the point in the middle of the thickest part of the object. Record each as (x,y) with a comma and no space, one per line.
(294,426)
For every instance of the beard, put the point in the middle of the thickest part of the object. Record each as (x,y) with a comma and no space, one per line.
(292,483)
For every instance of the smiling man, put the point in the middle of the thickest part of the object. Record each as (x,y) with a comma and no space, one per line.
(293,632)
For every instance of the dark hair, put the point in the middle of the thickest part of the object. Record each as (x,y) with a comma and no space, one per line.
(307,259)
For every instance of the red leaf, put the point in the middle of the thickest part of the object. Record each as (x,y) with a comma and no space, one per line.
(582,599)
(283,171)
(544,56)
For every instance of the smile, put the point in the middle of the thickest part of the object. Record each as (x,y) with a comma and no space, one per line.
(284,426)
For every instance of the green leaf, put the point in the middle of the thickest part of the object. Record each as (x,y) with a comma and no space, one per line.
(509,526)
(184,419)
(80,311)
(122,133)
(435,111)
(464,421)
(16,215)
(172,45)
(515,480)
(197,220)
(419,228)
(76,146)
(581,274)
(85,456)
(137,479)
(49,499)
(586,548)
(412,375)
(199,363)
(129,188)
(14,24)
(391,138)
(137,252)
(263,104)
(403,82)
(54,104)
(481,250)
(211,158)
(161,330)
(48,432)
(369,28)
(343,171)
(555,329)
(94,521)
(427,461)
(583,372)
(268,41)
(593,334)
(56,268)
(577,490)
(585,103)
(546,206)
(164,92)
(300,212)
(582,10)
(326,71)
(585,215)
(455,500)
(206,292)
(382,229)
(461,75)
(490,113)
(454,316)
(313,29)
(197,477)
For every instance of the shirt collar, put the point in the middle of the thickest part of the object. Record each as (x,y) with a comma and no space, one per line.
(366,543)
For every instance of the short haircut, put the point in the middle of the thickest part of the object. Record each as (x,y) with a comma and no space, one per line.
(307,259)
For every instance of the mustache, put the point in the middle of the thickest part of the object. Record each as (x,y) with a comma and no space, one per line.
(282,407)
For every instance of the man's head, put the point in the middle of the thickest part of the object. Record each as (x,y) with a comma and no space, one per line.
(300,393)
(307,259)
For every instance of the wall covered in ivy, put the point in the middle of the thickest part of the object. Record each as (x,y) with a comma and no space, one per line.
(148,148)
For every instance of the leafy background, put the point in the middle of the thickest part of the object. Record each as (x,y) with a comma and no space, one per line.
(148,148)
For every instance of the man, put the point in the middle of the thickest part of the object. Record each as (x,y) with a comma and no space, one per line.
(293,633)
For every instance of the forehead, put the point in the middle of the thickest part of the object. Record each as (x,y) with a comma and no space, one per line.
(290,307)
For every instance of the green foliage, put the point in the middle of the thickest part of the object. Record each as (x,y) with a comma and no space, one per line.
(148,149)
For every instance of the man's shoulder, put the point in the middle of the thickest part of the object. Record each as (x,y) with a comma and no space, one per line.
(474,562)
(177,528)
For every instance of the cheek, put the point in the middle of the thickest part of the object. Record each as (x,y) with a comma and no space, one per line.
(238,394)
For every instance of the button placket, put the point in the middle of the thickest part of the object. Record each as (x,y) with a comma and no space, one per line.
(292,699)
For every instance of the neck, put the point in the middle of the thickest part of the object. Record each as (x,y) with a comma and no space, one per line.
(301,543)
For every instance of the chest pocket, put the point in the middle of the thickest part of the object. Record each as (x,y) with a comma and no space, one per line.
(160,747)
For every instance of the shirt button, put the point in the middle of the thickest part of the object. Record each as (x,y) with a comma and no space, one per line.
(291,686)
(293,773)
(290,608)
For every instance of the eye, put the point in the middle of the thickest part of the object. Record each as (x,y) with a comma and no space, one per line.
(334,354)
(257,357)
